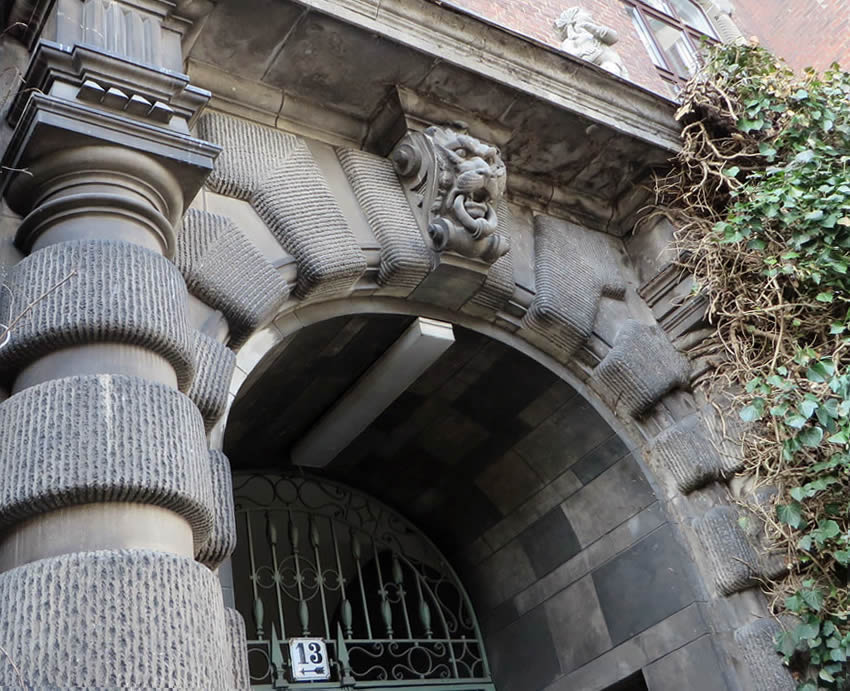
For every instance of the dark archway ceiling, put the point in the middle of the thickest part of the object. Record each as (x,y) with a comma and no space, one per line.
(481,431)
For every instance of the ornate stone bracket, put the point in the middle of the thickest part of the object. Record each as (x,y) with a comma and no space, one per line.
(455,182)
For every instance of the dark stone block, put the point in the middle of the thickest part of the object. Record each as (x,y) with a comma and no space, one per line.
(498,618)
(493,399)
(695,667)
(644,585)
(467,514)
(550,541)
(503,436)
(522,656)
(564,438)
(597,461)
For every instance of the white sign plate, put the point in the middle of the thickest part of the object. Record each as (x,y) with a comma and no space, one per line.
(309,659)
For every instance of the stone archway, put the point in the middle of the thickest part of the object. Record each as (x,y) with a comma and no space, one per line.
(338,225)
(356,213)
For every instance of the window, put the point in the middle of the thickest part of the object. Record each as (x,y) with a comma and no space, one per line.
(672,31)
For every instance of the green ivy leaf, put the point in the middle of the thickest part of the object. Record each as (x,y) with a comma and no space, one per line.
(752,412)
(814,599)
(790,514)
(811,436)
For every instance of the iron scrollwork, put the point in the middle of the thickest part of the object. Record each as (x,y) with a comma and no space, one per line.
(317,559)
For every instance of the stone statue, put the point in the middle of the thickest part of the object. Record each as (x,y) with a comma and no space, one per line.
(588,40)
(460,181)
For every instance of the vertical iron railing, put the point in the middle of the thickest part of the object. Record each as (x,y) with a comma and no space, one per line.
(352,572)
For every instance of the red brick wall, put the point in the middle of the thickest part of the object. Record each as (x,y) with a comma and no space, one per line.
(536,18)
(805,32)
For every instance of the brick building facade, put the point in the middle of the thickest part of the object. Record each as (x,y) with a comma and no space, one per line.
(803,32)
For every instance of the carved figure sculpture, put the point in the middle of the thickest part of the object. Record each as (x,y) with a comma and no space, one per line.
(589,41)
(459,181)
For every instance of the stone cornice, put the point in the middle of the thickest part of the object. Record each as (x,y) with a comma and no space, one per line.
(552,76)
(105,78)
(48,120)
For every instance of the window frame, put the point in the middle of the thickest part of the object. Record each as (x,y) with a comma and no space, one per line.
(643,9)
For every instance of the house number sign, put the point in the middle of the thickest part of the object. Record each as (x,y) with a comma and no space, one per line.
(309,658)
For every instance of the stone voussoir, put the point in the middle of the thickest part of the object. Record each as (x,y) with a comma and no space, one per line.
(104,438)
(299,208)
(498,287)
(97,291)
(732,557)
(405,258)
(574,269)
(640,369)
(755,642)
(250,152)
(222,540)
(226,271)
(113,619)
(687,453)
(213,368)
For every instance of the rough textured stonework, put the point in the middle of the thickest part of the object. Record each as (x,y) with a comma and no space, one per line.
(574,268)
(640,368)
(127,619)
(249,153)
(688,454)
(222,540)
(115,292)
(499,285)
(405,259)
(103,438)
(732,557)
(239,648)
(213,368)
(215,258)
(756,645)
(727,433)
(302,213)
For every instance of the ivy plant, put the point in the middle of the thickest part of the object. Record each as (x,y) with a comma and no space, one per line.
(760,194)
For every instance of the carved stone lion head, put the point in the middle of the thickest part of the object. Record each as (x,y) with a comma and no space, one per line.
(461,180)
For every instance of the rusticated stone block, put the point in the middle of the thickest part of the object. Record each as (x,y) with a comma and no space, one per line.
(104,438)
(299,208)
(97,291)
(755,643)
(499,285)
(727,434)
(239,648)
(277,174)
(640,368)
(213,369)
(730,554)
(224,269)
(405,258)
(688,454)
(113,619)
(222,540)
(250,152)
(574,268)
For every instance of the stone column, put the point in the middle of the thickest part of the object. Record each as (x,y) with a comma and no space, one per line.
(106,487)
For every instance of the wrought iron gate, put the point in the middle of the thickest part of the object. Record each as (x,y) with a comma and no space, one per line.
(318,559)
